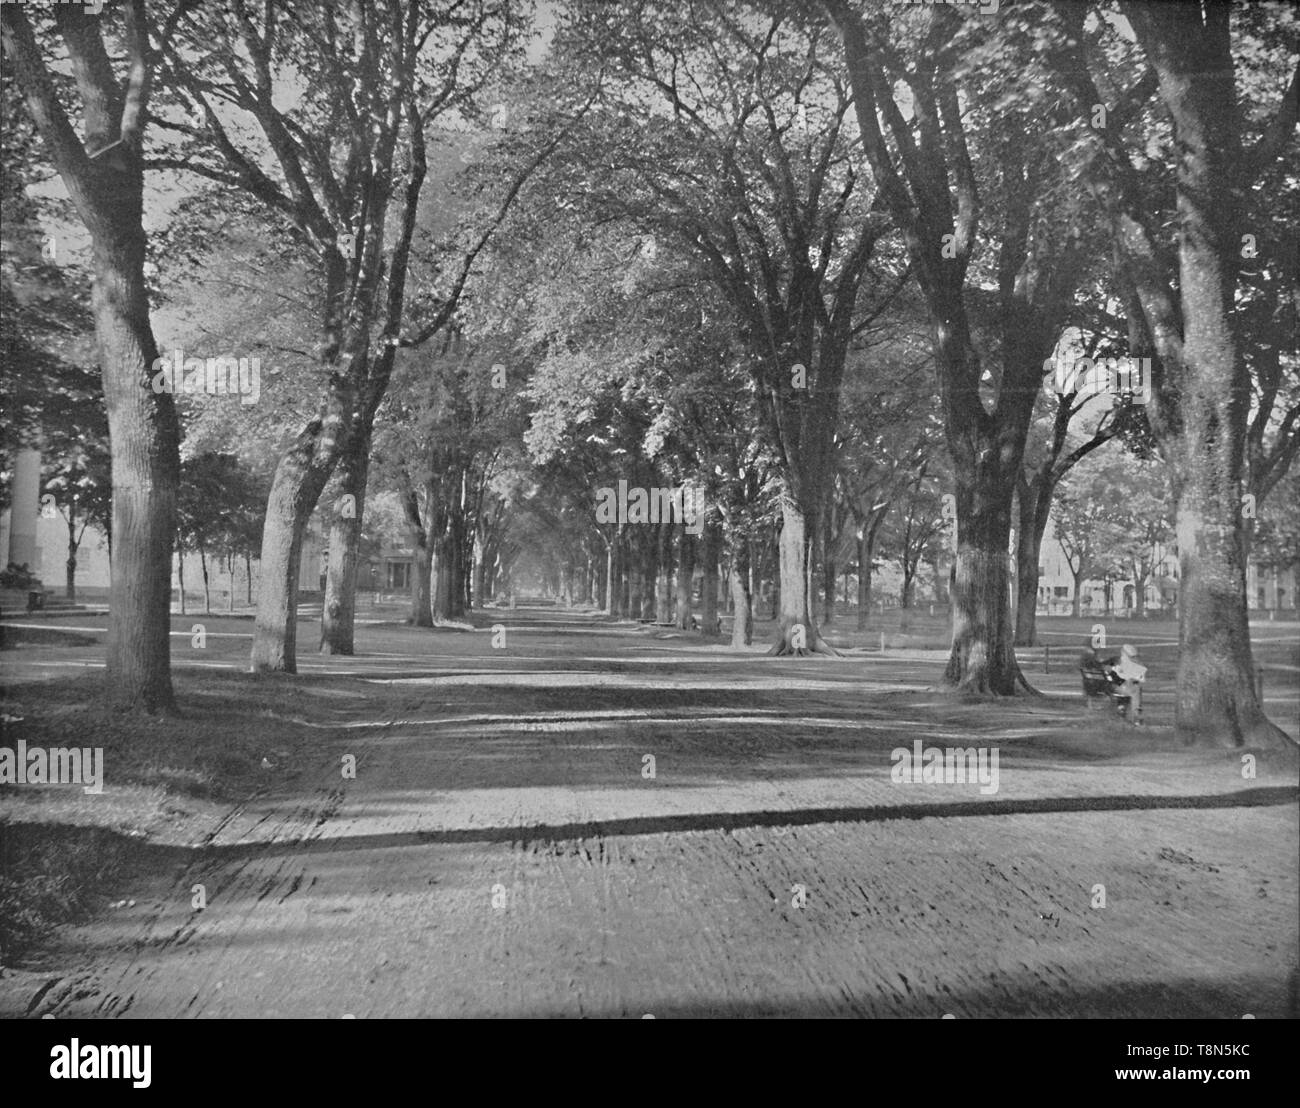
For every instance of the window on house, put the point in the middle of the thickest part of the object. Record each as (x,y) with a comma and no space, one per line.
(399,575)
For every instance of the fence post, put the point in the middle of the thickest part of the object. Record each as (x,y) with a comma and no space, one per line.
(1047,658)
(882,642)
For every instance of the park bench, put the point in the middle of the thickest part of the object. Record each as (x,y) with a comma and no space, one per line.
(1100,682)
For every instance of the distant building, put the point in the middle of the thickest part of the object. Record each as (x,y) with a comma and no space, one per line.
(40,542)
(1266,588)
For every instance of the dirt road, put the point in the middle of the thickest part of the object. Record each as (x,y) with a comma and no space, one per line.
(609,823)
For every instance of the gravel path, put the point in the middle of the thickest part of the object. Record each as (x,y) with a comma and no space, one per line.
(503,852)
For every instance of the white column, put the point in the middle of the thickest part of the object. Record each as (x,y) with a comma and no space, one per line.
(25,510)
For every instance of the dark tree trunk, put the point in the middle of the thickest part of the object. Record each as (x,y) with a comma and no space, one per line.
(742,626)
(828,569)
(1140,595)
(180,574)
(611,579)
(421,583)
(144,434)
(983,657)
(932,194)
(649,550)
(685,576)
(622,577)
(663,584)
(444,577)
(1034,507)
(338,614)
(1201,385)
(864,579)
(635,586)
(456,571)
(709,598)
(207,591)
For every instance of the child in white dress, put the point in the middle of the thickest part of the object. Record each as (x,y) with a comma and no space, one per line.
(1132,672)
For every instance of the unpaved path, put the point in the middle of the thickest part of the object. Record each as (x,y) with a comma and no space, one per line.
(501,851)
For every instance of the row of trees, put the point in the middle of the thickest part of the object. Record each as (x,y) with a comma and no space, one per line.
(813,261)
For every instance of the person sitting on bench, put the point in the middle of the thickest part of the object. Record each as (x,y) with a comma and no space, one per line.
(1132,672)
(1100,679)
(697,623)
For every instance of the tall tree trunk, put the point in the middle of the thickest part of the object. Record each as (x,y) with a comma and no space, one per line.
(742,626)
(144,434)
(107,190)
(983,656)
(794,609)
(207,591)
(663,583)
(1033,505)
(610,578)
(479,570)
(1201,386)
(624,591)
(338,614)
(685,576)
(864,578)
(1026,597)
(70,572)
(421,583)
(248,578)
(180,574)
(299,480)
(828,568)
(455,570)
(1215,701)
(444,577)
(649,550)
(635,587)
(709,597)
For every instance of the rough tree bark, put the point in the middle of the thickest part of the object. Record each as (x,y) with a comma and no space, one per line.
(105,179)
(742,626)
(928,183)
(709,588)
(663,582)
(338,614)
(685,576)
(300,478)
(1200,384)
(798,631)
